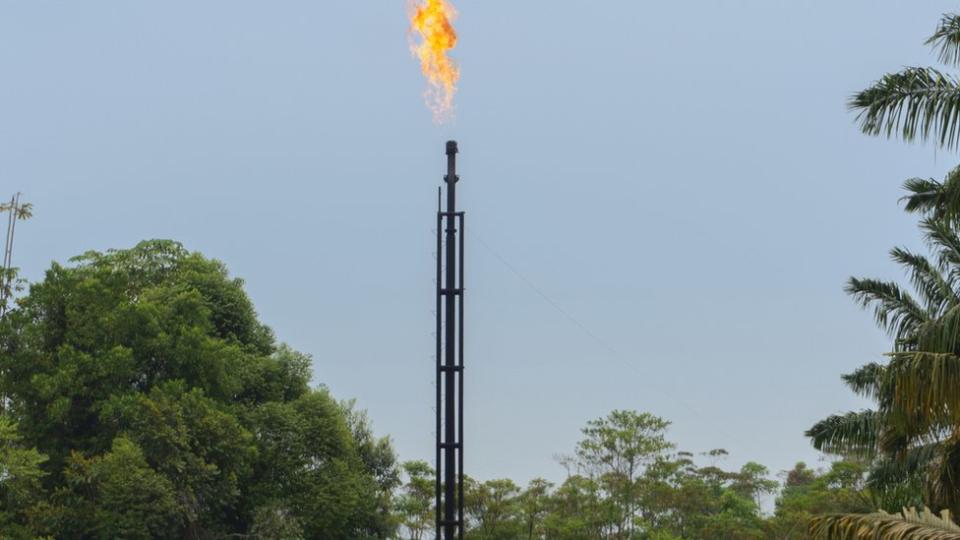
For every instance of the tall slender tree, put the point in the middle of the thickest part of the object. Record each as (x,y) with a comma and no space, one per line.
(914,431)
(16,211)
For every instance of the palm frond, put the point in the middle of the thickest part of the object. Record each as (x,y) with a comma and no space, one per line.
(854,433)
(943,483)
(933,287)
(940,335)
(932,198)
(25,211)
(866,380)
(947,39)
(925,389)
(898,482)
(916,103)
(894,309)
(941,235)
(910,524)
(926,195)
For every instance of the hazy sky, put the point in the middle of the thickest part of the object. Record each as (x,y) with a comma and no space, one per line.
(681,178)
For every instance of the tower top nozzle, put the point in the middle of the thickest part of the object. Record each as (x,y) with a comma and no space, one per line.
(451,147)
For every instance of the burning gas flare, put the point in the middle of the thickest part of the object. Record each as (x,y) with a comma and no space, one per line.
(433,20)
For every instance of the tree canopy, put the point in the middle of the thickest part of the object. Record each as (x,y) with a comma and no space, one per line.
(144,399)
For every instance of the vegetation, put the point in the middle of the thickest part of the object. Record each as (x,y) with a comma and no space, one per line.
(627,481)
(910,523)
(912,434)
(145,400)
(910,440)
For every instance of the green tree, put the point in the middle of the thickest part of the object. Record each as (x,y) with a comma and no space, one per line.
(912,434)
(9,282)
(492,510)
(534,506)
(683,500)
(380,461)
(808,493)
(415,505)
(153,357)
(577,511)
(21,491)
(753,482)
(116,495)
(625,482)
(615,451)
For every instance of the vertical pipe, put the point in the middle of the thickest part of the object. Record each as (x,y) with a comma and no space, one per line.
(463,292)
(450,466)
(439,283)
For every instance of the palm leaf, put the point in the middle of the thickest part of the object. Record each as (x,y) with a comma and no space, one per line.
(932,286)
(867,380)
(916,103)
(926,195)
(898,482)
(933,198)
(910,524)
(854,433)
(925,389)
(894,309)
(947,39)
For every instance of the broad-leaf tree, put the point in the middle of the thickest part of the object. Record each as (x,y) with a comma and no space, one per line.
(151,360)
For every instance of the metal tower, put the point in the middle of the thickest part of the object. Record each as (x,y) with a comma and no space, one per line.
(449,486)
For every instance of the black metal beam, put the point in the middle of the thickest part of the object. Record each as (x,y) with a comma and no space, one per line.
(450,273)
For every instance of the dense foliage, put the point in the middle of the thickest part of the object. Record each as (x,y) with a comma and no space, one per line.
(627,481)
(143,399)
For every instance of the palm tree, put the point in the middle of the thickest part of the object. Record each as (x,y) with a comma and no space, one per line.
(912,436)
(907,438)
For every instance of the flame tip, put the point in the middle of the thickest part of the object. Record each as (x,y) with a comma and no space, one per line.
(432,20)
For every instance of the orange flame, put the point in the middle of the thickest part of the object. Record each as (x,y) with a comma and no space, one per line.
(433,21)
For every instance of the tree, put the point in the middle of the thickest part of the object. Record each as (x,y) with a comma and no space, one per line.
(152,359)
(615,451)
(492,509)
(380,461)
(9,283)
(116,495)
(21,475)
(807,493)
(415,503)
(577,511)
(913,434)
(753,483)
(629,484)
(534,506)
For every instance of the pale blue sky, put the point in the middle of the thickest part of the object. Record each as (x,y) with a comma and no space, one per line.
(680,177)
